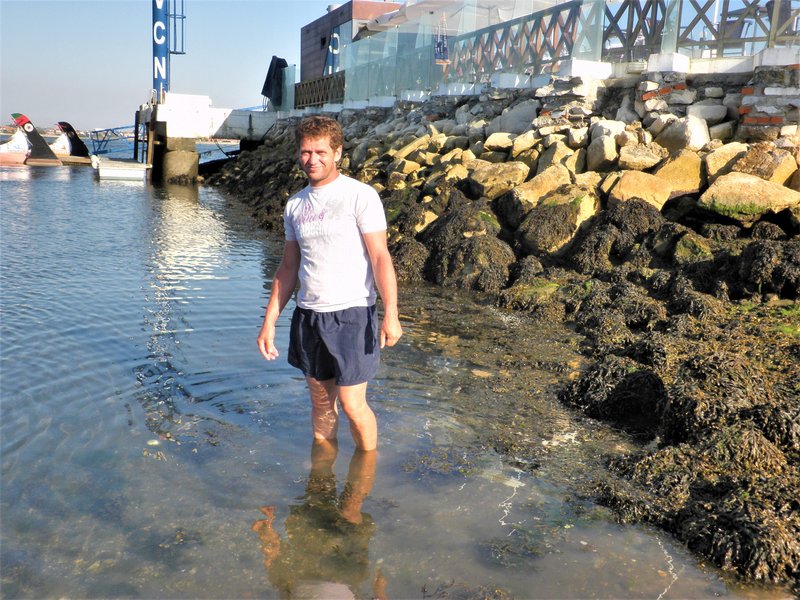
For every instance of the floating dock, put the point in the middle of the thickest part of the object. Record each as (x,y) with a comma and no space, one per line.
(120,170)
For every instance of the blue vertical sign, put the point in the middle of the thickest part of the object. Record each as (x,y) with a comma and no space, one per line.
(160,48)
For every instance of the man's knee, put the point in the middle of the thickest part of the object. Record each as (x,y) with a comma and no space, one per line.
(321,391)
(353,398)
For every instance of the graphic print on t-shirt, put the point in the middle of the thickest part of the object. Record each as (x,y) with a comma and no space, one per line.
(310,222)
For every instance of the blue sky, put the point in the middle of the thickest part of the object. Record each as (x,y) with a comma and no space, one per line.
(89,61)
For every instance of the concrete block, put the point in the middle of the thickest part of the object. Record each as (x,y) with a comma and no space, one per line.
(712,114)
(415,95)
(459,89)
(782,91)
(506,81)
(668,62)
(719,66)
(184,144)
(576,67)
(777,57)
(180,165)
(682,97)
(382,101)
(722,131)
(770,100)
(355,104)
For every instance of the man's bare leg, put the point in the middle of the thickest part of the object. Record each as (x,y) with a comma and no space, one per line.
(363,424)
(324,411)
(360,477)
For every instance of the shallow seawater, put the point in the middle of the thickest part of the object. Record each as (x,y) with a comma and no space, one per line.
(148,451)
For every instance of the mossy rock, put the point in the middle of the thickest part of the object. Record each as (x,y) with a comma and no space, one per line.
(690,248)
(529,294)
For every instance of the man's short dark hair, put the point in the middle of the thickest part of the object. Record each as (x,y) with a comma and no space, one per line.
(318,126)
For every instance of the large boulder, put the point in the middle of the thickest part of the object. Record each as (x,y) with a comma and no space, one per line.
(687,133)
(550,227)
(601,155)
(746,198)
(684,172)
(555,154)
(501,141)
(606,127)
(640,157)
(514,205)
(523,142)
(710,113)
(720,161)
(768,162)
(416,144)
(515,119)
(643,186)
(492,180)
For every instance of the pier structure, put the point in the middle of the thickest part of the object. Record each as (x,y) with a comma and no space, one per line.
(179,121)
(372,56)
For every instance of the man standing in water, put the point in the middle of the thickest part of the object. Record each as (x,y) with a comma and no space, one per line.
(336,247)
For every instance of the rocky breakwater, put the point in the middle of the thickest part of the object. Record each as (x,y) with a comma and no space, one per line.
(660,219)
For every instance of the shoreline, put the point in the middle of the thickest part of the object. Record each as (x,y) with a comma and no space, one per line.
(677,261)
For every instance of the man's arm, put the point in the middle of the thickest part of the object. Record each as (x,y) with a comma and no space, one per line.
(386,281)
(283,286)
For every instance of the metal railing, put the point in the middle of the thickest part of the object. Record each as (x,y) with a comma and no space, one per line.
(123,141)
(317,92)
(531,44)
(720,28)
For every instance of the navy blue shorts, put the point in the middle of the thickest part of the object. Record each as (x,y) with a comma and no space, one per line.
(341,345)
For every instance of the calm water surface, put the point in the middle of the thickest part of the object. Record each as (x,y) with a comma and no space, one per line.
(148,451)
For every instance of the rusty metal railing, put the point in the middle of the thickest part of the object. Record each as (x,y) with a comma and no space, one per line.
(532,43)
(317,92)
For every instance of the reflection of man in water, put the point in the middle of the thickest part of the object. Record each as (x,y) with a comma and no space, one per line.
(326,550)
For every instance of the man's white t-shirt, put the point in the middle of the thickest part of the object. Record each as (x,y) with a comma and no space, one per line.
(327,221)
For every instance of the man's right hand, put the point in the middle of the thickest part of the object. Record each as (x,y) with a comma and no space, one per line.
(266,342)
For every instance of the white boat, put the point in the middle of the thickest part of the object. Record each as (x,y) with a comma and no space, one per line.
(15,151)
(121,170)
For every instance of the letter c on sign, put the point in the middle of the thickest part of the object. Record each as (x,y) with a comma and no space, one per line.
(159,39)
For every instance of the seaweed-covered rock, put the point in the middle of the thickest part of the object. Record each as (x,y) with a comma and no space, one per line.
(616,390)
(591,252)
(526,269)
(409,257)
(513,206)
(746,198)
(548,229)
(528,294)
(772,267)
(749,526)
(477,263)
(708,391)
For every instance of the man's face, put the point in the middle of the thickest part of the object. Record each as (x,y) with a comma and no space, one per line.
(318,160)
